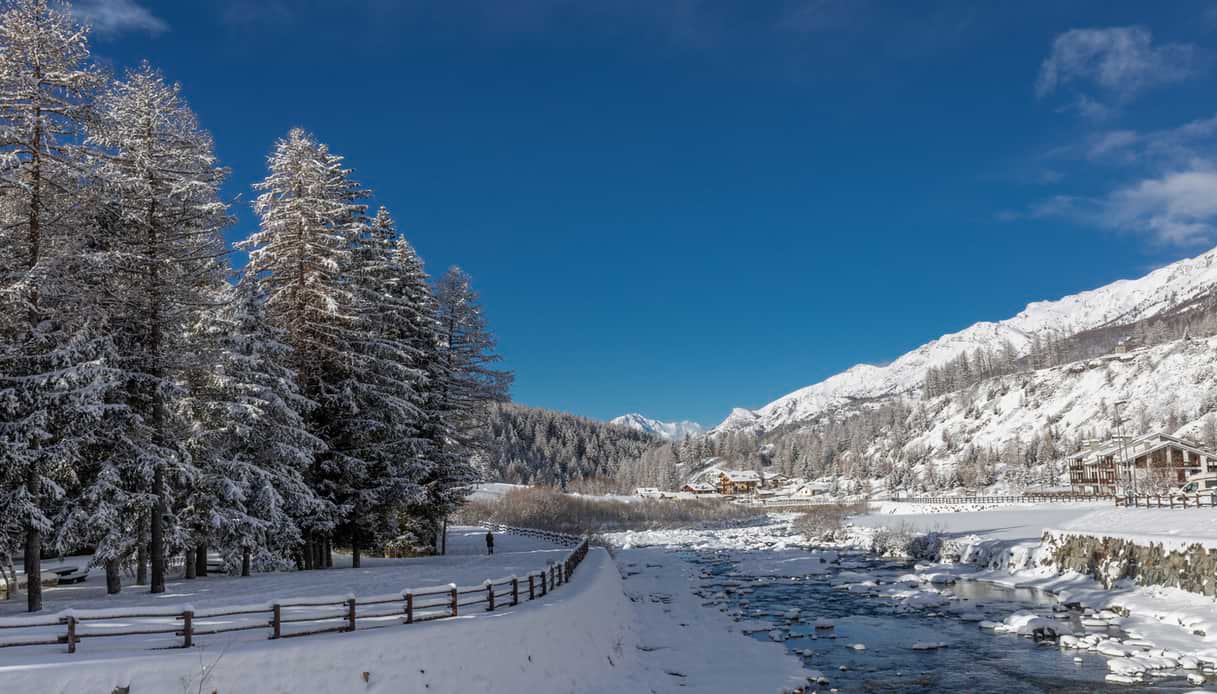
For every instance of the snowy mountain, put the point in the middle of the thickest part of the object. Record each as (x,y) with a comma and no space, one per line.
(1168,289)
(672,431)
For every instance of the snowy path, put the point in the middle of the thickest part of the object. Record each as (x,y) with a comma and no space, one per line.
(685,646)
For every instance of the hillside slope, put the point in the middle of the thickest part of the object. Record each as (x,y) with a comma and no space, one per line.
(1175,287)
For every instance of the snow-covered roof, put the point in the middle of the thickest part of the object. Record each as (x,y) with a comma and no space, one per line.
(700,486)
(1143,445)
(741,475)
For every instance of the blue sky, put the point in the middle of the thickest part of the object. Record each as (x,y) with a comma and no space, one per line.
(680,206)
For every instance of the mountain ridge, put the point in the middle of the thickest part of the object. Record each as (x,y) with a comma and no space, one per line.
(671,431)
(1122,302)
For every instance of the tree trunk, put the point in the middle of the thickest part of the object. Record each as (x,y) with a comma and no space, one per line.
(355,556)
(192,566)
(158,531)
(114,581)
(200,561)
(33,555)
(245,561)
(443,537)
(307,551)
(329,552)
(141,555)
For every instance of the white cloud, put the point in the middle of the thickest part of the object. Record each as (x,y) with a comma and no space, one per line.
(1179,208)
(113,17)
(1175,209)
(1119,60)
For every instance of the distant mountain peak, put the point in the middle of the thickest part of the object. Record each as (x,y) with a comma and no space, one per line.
(672,431)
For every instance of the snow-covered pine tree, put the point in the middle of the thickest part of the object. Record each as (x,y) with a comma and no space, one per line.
(311,220)
(158,169)
(53,377)
(379,469)
(249,438)
(464,383)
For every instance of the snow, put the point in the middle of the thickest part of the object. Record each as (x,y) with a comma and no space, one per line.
(676,634)
(1119,303)
(1007,523)
(493,491)
(466,564)
(1171,528)
(671,431)
(575,635)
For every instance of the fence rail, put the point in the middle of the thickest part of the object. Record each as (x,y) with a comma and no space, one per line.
(1198,500)
(304,616)
(1019,499)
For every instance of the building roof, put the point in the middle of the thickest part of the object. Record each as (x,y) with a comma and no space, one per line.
(1124,451)
(741,475)
(700,486)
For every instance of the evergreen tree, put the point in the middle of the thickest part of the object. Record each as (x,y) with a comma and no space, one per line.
(250,429)
(54,387)
(158,171)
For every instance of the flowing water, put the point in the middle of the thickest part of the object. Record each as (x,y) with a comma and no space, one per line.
(972,660)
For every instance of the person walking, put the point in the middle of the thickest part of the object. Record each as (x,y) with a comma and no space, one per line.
(489,542)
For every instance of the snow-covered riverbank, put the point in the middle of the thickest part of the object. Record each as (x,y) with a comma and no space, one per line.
(1143,632)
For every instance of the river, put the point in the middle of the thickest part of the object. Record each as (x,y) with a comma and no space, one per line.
(869,646)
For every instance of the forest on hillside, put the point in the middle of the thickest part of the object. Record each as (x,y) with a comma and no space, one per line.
(528,445)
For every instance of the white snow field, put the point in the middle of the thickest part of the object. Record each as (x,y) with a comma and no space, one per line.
(465,564)
(1009,523)
(597,634)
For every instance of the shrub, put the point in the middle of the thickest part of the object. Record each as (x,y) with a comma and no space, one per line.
(825,523)
(549,509)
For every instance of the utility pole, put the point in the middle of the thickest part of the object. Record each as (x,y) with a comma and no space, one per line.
(1132,471)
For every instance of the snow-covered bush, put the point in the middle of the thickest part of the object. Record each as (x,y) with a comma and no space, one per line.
(825,522)
(549,509)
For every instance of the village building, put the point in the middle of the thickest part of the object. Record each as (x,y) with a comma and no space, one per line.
(699,488)
(1152,464)
(649,493)
(738,482)
(812,489)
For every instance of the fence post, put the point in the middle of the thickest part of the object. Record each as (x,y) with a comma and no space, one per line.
(544,587)
(276,622)
(71,633)
(351,614)
(515,590)
(532,592)
(410,607)
(452,591)
(490,595)
(188,628)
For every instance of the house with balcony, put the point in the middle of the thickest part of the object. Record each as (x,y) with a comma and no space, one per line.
(1151,464)
(738,482)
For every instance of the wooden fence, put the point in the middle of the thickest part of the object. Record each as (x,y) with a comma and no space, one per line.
(1198,500)
(1019,499)
(300,617)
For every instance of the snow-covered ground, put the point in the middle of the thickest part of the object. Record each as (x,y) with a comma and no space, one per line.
(466,564)
(1012,522)
(601,633)
(574,637)
(1172,528)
